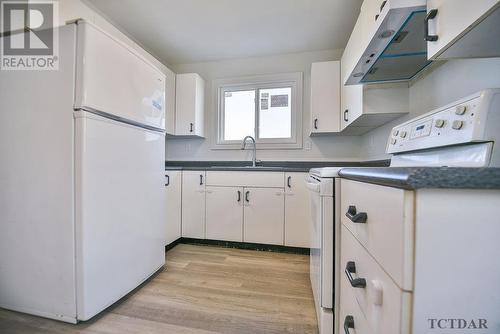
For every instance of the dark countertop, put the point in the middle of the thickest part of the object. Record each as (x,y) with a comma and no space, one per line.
(426,177)
(268,166)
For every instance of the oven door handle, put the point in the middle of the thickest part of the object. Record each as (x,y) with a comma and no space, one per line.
(312,184)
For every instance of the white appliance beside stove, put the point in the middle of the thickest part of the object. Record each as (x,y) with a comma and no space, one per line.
(322,184)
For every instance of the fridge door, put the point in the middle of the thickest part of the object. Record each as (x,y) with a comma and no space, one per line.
(120,218)
(114,79)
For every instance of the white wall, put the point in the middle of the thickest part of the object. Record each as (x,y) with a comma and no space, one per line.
(445,83)
(318,148)
(70,10)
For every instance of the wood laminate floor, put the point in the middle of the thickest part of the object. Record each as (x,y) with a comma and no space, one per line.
(203,290)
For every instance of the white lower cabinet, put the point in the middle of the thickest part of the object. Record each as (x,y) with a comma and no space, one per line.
(410,258)
(193,204)
(256,207)
(297,211)
(264,215)
(173,197)
(224,219)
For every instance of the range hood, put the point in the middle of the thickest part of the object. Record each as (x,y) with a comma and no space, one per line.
(397,50)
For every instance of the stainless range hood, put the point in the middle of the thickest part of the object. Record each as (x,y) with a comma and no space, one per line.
(397,50)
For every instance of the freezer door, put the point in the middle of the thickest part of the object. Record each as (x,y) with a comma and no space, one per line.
(114,79)
(120,216)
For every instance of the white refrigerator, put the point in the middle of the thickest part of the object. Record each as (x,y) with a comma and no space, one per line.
(82,150)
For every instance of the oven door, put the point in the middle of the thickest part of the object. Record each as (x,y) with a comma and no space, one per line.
(321,231)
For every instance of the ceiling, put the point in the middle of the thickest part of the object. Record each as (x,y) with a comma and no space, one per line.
(189,31)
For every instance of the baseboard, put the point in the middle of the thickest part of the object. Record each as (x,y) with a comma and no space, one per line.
(240,245)
(172,244)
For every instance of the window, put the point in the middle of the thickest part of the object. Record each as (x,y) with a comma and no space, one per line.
(268,108)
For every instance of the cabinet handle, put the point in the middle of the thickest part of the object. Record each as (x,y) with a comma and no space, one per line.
(430,16)
(247,193)
(168,180)
(382,5)
(356,217)
(191,127)
(346,112)
(350,268)
(316,123)
(288,182)
(376,17)
(201,179)
(239,196)
(348,323)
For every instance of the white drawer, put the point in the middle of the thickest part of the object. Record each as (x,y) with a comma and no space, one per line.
(349,308)
(385,306)
(388,231)
(246,179)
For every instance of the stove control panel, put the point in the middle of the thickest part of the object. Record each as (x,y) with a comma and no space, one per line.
(471,119)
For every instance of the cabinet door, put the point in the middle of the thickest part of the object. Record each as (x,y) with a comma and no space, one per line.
(193,204)
(352,104)
(173,184)
(264,215)
(454,17)
(297,211)
(224,213)
(189,105)
(325,97)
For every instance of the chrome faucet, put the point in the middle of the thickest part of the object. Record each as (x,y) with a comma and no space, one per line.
(243,145)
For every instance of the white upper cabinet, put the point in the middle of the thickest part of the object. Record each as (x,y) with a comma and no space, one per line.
(352,104)
(366,107)
(189,105)
(113,78)
(325,97)
(463,28)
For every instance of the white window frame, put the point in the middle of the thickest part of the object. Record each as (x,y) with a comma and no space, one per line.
(292,80)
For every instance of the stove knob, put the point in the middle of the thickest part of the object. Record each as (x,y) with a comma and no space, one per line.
(461,110)
(403,134)
(393,141)
(395,133)
(457,125)
(439,123)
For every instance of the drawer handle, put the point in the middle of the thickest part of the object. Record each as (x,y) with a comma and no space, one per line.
(356,217)
(350,269)
(348,323)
